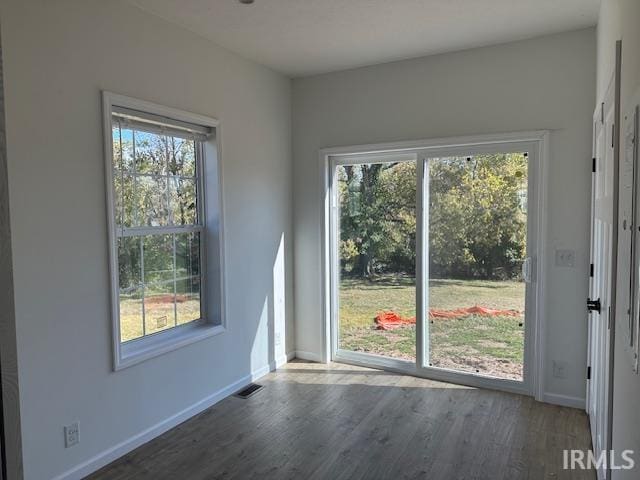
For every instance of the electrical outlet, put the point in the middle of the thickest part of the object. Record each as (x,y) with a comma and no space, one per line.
(559,369)
(278,339)
(71,435)
(565,258)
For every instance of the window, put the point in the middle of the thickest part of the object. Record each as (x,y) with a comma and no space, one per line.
(158,159)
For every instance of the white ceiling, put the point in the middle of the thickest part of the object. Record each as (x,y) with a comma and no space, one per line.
(304,37)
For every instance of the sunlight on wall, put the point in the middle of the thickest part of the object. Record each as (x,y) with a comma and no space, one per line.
(271,324)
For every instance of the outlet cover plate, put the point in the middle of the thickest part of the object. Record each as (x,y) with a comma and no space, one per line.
(560,369)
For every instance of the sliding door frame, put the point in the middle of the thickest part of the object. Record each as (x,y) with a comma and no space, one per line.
(536,144)
(334,271)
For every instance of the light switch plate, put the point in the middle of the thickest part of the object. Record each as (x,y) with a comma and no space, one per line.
(565,258)
(71,434)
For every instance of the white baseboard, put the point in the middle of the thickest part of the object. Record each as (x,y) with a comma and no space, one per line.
(278,362)
(564,400)
(107,456)
(309,356)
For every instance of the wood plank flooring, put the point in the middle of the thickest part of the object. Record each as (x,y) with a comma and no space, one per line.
(337,421)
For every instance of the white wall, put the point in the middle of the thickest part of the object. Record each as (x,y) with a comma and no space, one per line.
(58,56)
(620,19)
(544,83)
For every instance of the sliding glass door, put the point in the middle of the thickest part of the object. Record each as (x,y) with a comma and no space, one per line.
(376,244)
(477,245)
(431,261)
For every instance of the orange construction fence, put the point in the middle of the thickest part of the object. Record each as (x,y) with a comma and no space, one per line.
(389,320)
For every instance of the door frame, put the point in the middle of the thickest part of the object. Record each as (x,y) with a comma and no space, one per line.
(537,144)
(613,90)
(11,465)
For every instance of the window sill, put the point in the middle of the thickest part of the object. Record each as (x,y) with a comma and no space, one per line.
(136,351)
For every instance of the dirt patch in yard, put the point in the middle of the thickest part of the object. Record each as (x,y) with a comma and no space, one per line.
(467,351)
(482,364)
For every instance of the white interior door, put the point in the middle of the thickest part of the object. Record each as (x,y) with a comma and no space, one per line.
(601,290)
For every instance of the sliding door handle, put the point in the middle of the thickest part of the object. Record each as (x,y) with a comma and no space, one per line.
(526,270)
(593,305)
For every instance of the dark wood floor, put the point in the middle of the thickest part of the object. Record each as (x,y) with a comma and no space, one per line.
(342,422)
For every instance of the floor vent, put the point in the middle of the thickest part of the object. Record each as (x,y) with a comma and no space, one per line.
(249,390)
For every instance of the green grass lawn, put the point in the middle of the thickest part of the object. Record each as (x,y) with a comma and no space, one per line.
(158,316)
(487,345)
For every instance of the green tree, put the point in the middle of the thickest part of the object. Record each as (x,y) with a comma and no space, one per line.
(377,220)
(477,217)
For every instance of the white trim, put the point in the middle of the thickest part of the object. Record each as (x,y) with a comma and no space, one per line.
(163,342)
(222,263)
(472,140)
(113,453)
(161,110)
(533,383)
(369,360)
(439,374)
(538,337)
(107,103)
(282,360)
(309,356)
(326,254)
(290,356)
(131,353)
(631,122)
(614,251)
(564,400)
(422,260)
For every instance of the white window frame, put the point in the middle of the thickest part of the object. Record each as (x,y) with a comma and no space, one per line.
(212,296)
